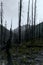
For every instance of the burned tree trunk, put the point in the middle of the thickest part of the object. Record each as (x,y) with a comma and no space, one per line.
(7,48)
(5,32)
(39,31)
(20,21)
(9,59)
(1,22)
(27,26)
(1,27)
(35,17)
(32,20)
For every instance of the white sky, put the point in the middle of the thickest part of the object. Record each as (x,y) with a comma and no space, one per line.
(11,10)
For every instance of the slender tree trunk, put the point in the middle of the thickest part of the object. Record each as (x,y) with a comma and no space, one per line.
(9,59)
(32,26)
(28,13)
(34,17)
(5,33)
(39,31)
(1,22)
(28,21)
(27,26)
(1,25)
(20,21)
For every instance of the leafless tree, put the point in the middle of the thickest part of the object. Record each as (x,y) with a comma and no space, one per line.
(1,21)
(28,13)
(8,46)
(4,39)
(34,17)
(27,26)
(20,11)
(1,25)
(39,31)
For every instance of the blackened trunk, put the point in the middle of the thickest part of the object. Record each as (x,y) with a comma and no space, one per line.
(20,21)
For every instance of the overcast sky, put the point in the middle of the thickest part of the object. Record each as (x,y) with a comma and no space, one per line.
(11,11)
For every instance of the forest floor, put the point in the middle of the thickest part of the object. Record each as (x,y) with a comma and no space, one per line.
(25,55)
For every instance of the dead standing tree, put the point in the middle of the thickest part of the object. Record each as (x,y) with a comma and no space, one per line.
(32,25)
(7,47)
(5,31)
(20,21)
(32,19)
(35,17)
(27,26)
(1,22)
(1,28)
(39,31)
(9,59)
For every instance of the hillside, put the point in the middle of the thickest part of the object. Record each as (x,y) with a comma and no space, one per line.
(38,32)
(6,34)
(23,54)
